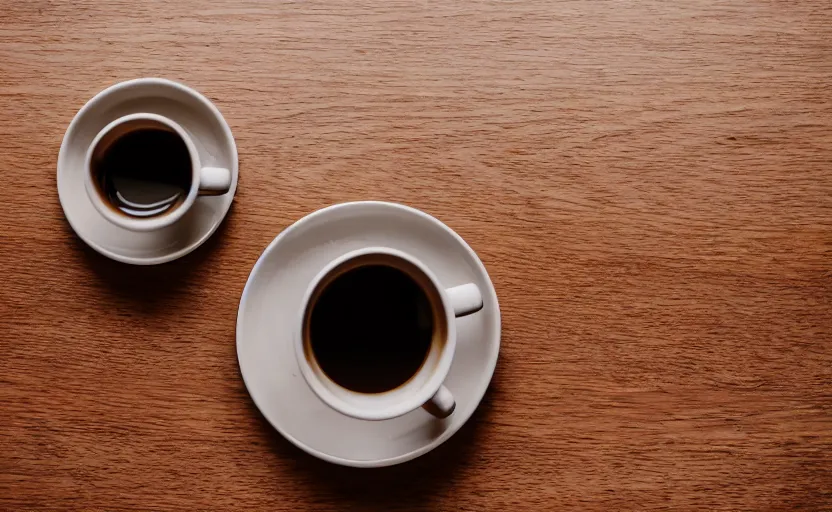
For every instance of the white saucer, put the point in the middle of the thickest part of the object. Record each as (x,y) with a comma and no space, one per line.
(269,306)
(212,136)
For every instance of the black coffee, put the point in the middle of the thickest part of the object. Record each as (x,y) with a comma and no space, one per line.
(371,328)
(145,172)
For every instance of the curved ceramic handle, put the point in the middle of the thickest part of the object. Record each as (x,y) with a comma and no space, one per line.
(465,299)
(441,404)
(214,181)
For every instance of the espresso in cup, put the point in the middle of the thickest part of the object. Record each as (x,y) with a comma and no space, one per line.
(144,172)
(371,328)
(142,169)
(377,334)
(372,324)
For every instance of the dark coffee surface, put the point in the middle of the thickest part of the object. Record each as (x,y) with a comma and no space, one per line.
(145,173)
(371,329)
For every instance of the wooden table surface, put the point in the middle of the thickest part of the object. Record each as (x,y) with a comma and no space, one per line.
(648,183)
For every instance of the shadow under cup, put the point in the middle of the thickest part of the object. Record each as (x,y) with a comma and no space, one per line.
(375,325)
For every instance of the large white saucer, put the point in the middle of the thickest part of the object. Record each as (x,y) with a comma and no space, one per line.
(269,308)
(214,142)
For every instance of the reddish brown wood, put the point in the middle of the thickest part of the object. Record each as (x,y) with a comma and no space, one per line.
(649,184)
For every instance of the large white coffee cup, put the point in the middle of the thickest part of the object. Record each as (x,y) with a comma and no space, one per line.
(425,388)
(203,180)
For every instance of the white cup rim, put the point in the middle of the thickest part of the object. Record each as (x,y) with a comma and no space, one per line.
(152,223)
(413,400)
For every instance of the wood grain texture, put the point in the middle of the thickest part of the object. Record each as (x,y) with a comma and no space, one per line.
(649,184)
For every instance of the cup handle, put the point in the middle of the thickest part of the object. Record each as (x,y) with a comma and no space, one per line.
(441,404)
(465,299)
(214,181)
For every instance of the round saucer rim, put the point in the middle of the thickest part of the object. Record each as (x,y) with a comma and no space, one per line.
(73,127)
(494,356)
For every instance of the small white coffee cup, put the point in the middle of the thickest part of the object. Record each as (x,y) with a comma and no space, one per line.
(203,180)
(424,388)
